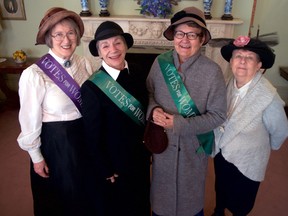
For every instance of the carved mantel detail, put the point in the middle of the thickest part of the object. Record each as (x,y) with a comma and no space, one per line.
(148,33)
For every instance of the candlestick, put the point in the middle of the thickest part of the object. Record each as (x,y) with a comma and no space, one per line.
(227,10)
(104,11)
(207,8)
(85,9)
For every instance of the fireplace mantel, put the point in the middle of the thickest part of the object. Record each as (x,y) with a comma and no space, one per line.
(148,33)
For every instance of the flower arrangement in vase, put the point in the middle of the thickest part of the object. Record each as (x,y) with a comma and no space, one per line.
(19,56)
(156,8)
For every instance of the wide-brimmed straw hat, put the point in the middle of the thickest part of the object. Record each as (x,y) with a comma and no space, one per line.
(107,30)
(265,53)
(189,14)
(52,17)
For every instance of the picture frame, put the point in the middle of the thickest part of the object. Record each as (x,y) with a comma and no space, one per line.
(12,10)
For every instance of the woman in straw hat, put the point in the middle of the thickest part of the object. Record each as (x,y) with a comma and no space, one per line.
(114,105)
(256,124)
(50,118)
(189,89)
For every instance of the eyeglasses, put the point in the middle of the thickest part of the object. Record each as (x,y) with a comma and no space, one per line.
(247,58)
(189,35)
(59,36)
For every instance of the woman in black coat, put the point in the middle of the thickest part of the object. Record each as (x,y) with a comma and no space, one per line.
(118,163)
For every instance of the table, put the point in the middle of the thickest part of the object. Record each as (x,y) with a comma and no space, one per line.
(10,67)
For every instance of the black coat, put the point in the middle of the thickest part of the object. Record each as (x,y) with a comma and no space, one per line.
(114,145)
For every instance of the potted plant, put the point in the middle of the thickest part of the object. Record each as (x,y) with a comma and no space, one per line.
(19,56)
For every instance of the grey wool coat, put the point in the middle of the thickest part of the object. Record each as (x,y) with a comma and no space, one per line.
(178,174)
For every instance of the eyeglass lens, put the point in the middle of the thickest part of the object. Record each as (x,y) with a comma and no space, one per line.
(59,36)
(189,35)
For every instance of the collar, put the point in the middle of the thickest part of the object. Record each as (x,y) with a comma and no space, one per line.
(58,59)
(243,90)
(187,64)
(114,73)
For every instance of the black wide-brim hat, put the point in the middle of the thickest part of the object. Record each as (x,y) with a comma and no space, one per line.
(107,30)
(265,53)
(189,14)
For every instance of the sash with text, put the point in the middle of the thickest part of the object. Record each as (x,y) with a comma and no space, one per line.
(61,78)
(184,103)
(123,99)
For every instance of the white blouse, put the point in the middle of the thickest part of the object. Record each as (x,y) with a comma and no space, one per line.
(41,100)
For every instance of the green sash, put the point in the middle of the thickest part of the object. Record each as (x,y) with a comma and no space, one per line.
(184,103)
(125,101)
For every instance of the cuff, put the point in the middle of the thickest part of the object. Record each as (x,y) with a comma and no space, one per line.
(36,155)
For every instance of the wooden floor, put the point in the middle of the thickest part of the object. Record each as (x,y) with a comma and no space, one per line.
(15,193)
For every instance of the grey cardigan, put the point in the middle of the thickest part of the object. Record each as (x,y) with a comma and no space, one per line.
(257,125)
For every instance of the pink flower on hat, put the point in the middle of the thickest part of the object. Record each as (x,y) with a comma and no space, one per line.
(241,41)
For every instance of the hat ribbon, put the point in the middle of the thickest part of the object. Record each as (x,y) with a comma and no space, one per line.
(108,32)
(183,14)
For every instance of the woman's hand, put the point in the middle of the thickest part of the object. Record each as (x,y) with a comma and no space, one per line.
(41,169)
(162,118)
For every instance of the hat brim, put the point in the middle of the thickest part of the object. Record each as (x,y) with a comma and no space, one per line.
(169,32)
(267,57)
(54,19)
(127,37)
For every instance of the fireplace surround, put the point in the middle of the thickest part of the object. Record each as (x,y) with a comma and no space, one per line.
(148,35)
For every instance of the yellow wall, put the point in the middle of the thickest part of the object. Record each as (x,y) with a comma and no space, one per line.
(270,15)
(20,34)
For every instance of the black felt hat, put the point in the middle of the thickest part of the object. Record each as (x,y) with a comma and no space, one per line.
(265,53)
(107,30)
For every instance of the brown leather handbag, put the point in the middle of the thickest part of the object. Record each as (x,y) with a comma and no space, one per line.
(155,137)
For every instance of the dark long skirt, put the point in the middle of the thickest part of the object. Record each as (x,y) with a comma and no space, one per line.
(59,195)
(234,191)
(128,196)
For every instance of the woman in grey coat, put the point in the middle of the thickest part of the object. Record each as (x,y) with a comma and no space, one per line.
(190,91)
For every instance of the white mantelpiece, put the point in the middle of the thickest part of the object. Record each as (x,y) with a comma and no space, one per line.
(148,33)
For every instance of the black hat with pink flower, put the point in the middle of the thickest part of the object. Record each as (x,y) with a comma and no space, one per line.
(265,53)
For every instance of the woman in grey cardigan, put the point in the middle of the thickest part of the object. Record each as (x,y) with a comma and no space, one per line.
(256,124)
(190,91)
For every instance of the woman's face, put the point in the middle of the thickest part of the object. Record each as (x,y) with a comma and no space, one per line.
(244,65)
(64,40)
(187,47)
(113,51)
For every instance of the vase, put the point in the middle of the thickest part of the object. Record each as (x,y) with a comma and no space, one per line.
(85,8)
(104,5)
(19,61)
(207,8)
(227,10)
(150,16)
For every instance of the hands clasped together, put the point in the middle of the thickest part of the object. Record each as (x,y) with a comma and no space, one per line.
(162,118)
